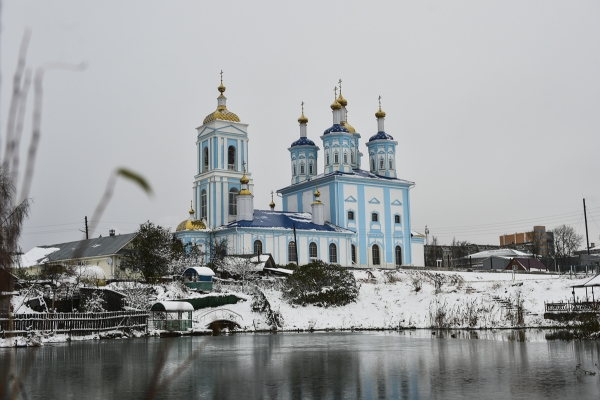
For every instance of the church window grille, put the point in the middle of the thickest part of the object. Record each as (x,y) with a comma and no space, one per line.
(231,158)
(391,165)
(336,158)
(312,250)
(333,253)
(398,256)
(374,217)
(327,158)
(351,215)
(310,169)
(376,258)
(294,169)
(205,159)
(353,253)
(345,158)
(381,164)
(301,169)
(258,248)
(292,256)
(352,157)
(373,164)
(203,205)
(233,193)
(396,219)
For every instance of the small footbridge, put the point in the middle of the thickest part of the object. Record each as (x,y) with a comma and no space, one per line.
(219,319)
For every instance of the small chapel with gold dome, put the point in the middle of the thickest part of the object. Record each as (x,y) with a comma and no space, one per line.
(340,214)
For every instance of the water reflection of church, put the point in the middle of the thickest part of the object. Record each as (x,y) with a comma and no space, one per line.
(342,215)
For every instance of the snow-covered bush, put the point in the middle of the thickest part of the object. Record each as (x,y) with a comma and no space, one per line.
(93,303)
(321,284)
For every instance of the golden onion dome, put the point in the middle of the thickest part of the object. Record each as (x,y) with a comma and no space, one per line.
(221,88)
(335,105)
(380,113)
(343,102)
(272,204)
(222,114)
(303,119)
(244,180)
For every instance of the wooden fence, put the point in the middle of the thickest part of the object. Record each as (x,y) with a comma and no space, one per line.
(573,307)
(74,323)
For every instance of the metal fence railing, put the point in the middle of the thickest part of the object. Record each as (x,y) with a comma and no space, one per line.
(573,307)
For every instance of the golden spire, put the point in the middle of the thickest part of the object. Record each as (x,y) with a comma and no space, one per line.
(335,105)
(221,88)
(343,102)
(380,113)
(272,203)
(303,119)
(317,194)
(244,181)
(191,208)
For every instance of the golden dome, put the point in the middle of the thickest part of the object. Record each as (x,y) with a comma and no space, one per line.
(221,88)
(343,102)
(272,204)
(380,113)
(223,114)
(244,180)
(190,225)
(349,127)
(303,119)
(335,105)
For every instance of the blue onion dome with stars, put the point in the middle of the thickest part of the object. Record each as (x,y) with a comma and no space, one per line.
(303,142)
(381,136)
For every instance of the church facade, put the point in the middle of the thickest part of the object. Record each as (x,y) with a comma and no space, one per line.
(342,214)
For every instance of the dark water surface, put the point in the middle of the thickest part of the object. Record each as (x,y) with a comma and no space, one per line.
(391,365)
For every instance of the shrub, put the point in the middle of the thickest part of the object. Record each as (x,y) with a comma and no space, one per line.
(321,284)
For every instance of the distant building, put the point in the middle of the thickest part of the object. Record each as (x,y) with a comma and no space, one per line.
(537,241)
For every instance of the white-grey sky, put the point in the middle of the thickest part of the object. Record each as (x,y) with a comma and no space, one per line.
(495,105)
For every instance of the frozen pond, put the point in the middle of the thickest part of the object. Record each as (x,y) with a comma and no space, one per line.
(391,365)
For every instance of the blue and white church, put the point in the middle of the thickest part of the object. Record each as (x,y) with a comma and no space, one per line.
(341,214)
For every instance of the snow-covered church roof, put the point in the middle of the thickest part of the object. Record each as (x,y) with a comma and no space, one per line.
(284,220)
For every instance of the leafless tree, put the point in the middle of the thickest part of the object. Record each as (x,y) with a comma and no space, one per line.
(566,242)
(434,252)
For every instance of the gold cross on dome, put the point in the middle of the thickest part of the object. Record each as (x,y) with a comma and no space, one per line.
(221,77)
(244,165)
(302,104)
(271,195)
(379,101)
(340,83)
(335,91)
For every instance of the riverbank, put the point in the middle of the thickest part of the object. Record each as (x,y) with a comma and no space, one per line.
(423,299)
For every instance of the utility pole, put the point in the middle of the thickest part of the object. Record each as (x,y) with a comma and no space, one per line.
(587,239)
(426,235)
(86,229)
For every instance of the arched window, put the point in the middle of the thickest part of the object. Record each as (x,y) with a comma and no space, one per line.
(372,164)
(233,192)
(352,157)
(397,219)
(203,204)
(310,169)
(327,158)
(333,253)
(205,159)
(258,247)
(294,169)
(353,253)
(391,165)
(374,217)
(345,158)
(376,259)
(336,158)
(302,169)
(231,158)
(398,256)
(381,164)
(292,256)
(312,250)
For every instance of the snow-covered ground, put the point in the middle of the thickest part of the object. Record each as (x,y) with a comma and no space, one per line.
(464,300)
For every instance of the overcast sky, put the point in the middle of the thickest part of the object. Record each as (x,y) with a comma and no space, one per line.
(495,105)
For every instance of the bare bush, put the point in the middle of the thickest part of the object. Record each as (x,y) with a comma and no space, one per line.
(416,280)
